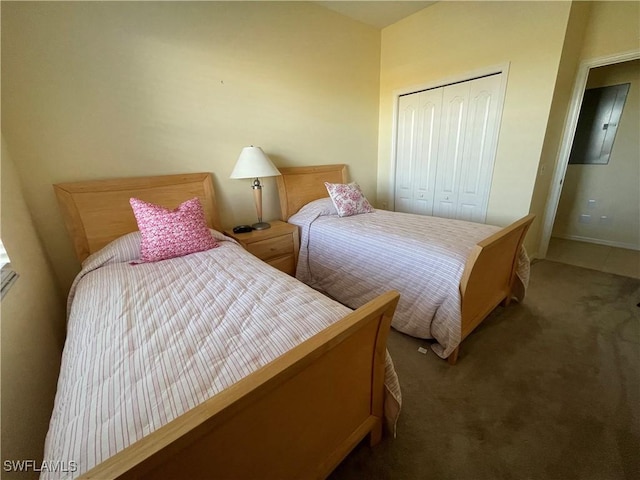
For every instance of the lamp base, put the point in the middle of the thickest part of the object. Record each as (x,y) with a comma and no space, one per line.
(261,226)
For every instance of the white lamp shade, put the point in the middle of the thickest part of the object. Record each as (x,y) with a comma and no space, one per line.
(253,163)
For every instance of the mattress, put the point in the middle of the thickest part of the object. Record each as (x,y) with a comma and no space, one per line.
(148,342)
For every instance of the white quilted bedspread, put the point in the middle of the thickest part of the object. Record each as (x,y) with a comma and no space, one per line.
(148,342)
(353,259)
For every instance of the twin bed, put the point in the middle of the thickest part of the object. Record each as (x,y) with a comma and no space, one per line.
(215,364)
(451,274)
(212,364)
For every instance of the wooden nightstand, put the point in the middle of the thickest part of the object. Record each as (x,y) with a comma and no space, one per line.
(278,245)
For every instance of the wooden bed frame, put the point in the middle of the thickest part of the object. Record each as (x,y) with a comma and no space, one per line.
(296,417)
(489,277)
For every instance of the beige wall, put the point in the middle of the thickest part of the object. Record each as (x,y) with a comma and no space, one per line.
(610,28)
(32,331)
(450,39)
(569,62)
(109,89)
(614,27)
(98,89)
(615,187)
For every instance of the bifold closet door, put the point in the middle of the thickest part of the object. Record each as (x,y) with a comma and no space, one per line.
(467,149)
(454,122)
(445,149)
(417,150)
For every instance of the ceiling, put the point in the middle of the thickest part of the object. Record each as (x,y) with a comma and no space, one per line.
(377,14)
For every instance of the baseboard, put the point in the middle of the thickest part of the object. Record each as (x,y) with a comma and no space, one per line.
(608,243)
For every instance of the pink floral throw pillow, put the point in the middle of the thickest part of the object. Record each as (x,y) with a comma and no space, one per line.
(171,233)
(348,199)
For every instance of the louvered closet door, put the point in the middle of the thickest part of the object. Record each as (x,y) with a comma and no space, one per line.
(417,150)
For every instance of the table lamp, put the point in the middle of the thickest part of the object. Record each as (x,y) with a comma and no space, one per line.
(253,163)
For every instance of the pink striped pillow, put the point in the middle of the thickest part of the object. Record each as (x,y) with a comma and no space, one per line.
(171,233)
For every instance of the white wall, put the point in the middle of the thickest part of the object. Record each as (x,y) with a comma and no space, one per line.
(615,187)
(32,330)
(107,89)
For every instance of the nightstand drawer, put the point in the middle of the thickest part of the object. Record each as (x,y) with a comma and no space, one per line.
(285,264)
(272,247)
(278,245)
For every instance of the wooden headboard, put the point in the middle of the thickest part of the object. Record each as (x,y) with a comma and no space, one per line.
(298,186)
(98,211)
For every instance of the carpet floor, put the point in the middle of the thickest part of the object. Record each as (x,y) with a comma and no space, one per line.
(546,389)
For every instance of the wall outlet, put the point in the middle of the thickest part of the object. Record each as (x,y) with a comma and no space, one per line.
(605,220)
(585,218)
(591,204)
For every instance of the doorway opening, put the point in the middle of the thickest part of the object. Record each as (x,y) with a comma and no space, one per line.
(593,213)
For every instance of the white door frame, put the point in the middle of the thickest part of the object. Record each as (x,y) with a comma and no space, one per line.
(465,77)
(568,134)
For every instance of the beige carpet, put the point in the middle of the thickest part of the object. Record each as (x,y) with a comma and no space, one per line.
(547,389)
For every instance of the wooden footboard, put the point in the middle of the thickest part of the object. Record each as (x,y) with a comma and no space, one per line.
(489,275)
(297,417)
